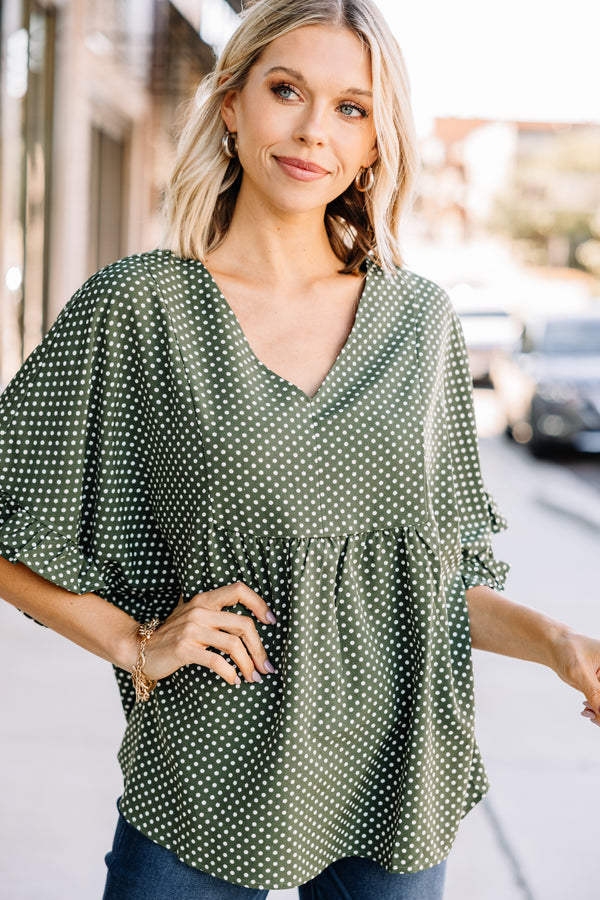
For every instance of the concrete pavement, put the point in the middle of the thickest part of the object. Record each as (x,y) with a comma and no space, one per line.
(534,838)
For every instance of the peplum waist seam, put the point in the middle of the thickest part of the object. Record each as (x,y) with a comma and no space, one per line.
(319,535)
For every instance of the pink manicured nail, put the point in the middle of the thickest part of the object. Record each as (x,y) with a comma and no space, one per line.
(589,714)
(238,680)
(256,676)
(269,666)
(270,617)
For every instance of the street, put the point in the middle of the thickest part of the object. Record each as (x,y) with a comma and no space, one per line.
(533,838)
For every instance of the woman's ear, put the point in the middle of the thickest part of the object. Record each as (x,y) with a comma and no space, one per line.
(228,110)
(372,157)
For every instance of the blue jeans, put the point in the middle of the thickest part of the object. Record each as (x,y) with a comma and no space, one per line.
(139,869)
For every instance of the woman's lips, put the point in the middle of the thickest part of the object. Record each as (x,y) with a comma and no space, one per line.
(301,169)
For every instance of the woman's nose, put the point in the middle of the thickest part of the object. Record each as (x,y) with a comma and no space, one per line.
(310,130)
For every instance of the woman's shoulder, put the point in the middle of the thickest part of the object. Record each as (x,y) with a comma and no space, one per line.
(118,278)
(121,287)
(427,300)
(139,275)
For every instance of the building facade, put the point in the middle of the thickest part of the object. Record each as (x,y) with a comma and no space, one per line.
(92,95)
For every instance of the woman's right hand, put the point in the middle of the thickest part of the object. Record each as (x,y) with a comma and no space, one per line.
(192,627)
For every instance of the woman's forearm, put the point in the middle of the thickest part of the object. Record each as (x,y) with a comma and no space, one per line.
(501,626)
(86,619)
(184,638)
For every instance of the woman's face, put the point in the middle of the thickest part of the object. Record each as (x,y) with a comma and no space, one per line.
(304,119)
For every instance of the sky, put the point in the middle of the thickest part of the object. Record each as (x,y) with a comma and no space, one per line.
(535,60)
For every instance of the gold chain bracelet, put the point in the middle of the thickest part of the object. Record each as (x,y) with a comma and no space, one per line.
(142,684)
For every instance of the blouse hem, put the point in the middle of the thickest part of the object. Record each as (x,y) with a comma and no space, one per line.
(470,803)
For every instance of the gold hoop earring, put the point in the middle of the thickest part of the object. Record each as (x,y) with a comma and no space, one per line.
(365,180)
(229,144)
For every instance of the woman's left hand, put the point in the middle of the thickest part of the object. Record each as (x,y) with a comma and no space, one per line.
(578,664)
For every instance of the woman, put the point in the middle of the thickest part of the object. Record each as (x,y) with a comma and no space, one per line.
(243,470)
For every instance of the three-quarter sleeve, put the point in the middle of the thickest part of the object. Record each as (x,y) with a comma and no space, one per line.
(477,511)
(75,499)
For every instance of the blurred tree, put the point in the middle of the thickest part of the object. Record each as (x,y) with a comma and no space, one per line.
(550,208)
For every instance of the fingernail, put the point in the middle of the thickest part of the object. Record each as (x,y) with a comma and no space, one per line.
(269,666)
(238,680)
(256,676)
(589,714)
(270,617)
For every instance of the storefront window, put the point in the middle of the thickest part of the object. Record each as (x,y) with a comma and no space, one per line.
(26,117)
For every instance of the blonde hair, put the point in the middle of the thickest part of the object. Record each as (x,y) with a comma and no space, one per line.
(201,194)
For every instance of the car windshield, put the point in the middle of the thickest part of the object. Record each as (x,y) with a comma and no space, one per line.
(579,337)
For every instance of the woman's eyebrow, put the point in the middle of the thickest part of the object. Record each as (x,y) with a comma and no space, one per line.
(298,76)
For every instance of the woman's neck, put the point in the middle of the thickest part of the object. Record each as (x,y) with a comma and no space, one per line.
(276,247)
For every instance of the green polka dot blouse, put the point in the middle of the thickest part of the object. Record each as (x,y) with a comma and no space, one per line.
(146,452)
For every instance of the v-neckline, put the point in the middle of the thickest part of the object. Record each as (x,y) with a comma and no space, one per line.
(350,340)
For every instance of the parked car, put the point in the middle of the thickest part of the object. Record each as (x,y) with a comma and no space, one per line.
(487,325)
(486,331)
(549,386)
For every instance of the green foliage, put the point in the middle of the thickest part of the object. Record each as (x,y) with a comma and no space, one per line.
(554,197)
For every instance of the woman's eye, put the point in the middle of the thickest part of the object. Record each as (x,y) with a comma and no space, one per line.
(284,91)
(351,111)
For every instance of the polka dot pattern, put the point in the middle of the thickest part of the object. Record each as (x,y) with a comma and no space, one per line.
(146,452)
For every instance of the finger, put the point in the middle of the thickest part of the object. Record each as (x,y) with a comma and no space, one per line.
(220,666)
(584,669)
(592,696)
(196,634)
(235,648)
(230,595)
(243,627)
(588,713)
(592,717)
(177,641)
(185,642)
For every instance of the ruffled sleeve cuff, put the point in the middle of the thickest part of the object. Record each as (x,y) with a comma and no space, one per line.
(479,565)
(23,538)
(484,569)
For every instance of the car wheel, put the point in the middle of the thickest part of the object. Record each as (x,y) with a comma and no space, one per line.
(539,446)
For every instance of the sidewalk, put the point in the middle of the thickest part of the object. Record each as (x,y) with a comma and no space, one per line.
(569,495)
(533,838)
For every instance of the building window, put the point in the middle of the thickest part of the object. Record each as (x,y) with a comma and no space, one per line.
(107,192)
